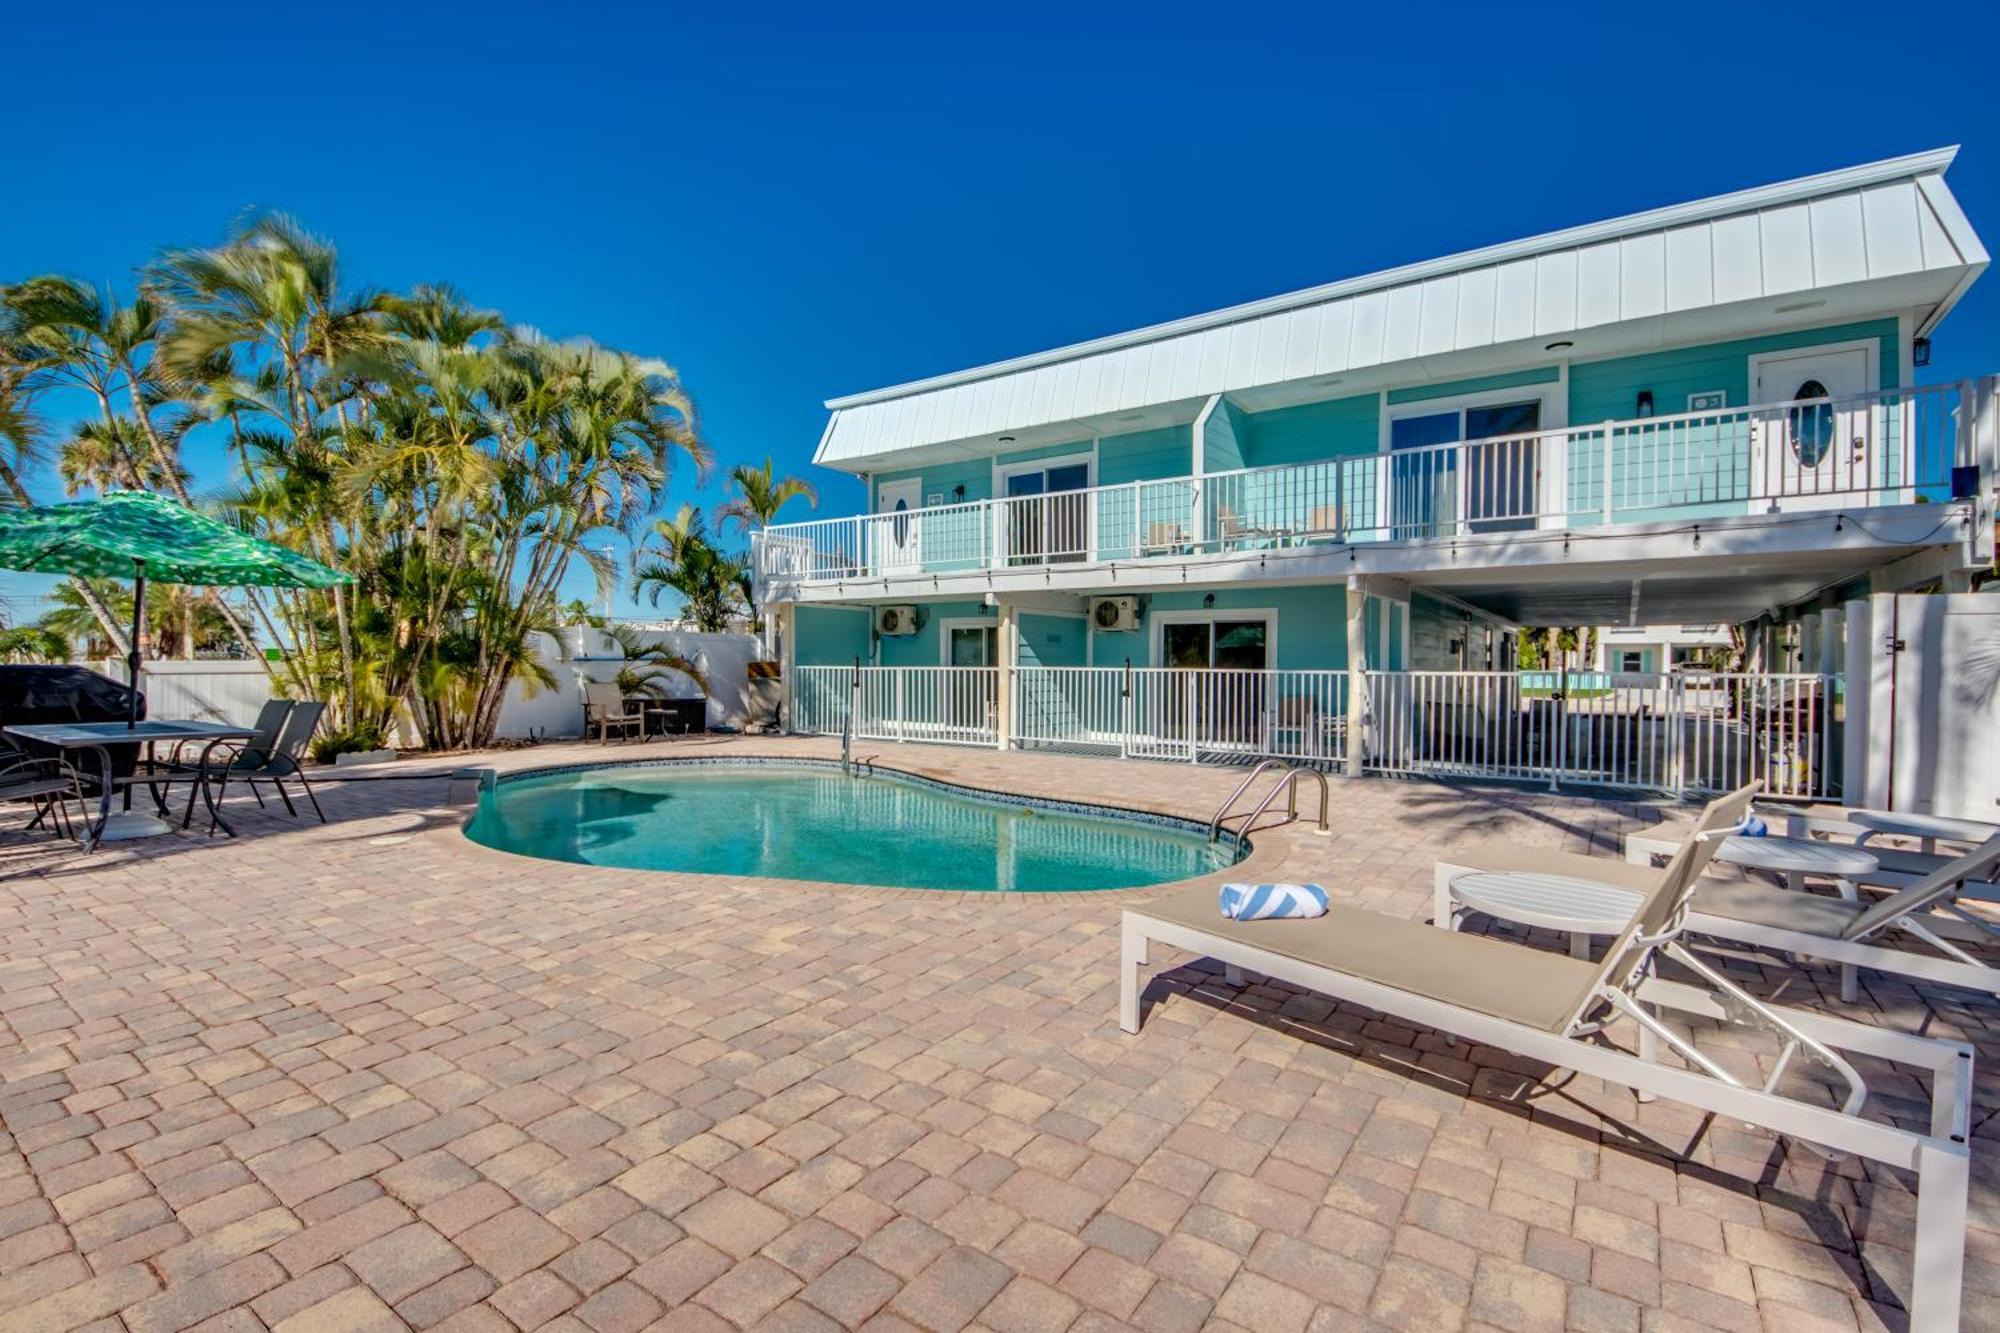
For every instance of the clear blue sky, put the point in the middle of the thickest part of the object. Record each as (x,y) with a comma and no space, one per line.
(789,204)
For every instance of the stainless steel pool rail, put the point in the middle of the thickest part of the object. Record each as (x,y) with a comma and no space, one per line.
(1288,783)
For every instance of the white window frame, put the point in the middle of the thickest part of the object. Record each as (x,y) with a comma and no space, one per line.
(947,624)
(1159,620)
(1554,398)
(1086,456)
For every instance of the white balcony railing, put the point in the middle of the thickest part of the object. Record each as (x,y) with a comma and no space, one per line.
(1895,446)
(1679,732)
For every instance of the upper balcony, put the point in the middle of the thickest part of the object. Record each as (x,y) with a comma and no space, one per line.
(1888,448)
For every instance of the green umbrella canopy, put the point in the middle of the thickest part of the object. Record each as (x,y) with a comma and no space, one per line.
(130,534)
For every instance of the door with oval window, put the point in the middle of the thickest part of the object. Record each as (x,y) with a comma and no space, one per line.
(1813,445)
(897,529)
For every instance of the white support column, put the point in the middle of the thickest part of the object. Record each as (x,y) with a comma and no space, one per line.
(788,648)
(1009,638)
(1357,671)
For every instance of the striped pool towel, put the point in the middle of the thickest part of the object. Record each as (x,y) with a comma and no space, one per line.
(1266,902)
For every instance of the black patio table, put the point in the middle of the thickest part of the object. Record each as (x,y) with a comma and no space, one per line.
(98,737)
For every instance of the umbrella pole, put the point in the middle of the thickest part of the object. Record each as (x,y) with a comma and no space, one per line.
(132,656)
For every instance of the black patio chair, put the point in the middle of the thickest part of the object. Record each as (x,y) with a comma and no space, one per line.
(48,783)
(277,763)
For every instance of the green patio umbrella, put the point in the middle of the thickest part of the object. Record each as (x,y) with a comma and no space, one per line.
(140,536)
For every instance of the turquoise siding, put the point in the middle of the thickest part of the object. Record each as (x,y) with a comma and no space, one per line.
(1052,640)
(975,474)
(1711,468)
(832,635)
(1450,389)
(1222,447)
(1145,456)
(1311,625)
(1311,431)
(1601,390)
(923,647)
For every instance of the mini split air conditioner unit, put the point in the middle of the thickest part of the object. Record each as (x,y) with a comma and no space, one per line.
(896,622)
(1117,614)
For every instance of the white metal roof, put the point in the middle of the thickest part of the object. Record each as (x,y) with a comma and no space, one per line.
(1892,224)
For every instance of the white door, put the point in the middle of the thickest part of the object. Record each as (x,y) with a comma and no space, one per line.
(1809,456)
(897,531)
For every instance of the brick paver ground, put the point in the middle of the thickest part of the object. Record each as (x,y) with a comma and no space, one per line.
(368,1076)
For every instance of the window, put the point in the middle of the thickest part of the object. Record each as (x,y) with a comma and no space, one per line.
(1810,428)
(1048,517)
(972,645)
(1499,487)
(1238,644)
(1631,662)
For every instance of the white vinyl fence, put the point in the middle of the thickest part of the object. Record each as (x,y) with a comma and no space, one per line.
(1682,733)
(223,690)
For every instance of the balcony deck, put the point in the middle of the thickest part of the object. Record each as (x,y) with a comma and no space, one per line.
(1892,448)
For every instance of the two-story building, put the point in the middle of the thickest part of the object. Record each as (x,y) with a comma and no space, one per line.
(1269,528)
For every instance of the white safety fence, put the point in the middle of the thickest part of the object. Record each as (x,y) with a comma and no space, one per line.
(950,705)
(1680,733)
(1182,713)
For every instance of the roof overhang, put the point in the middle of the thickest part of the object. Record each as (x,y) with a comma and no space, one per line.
(1885,237)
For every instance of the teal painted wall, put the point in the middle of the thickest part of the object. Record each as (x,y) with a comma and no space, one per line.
(1145,456)
(975,474)
(1711,469)
(1053,641)
(1601,390)
(1310,432)
(1311,625)
(831,635)
(1512,379)
(1222,446)
(923,647)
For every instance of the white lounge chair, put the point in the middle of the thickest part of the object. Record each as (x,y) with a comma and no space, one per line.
(1767,917)
(1552,1008)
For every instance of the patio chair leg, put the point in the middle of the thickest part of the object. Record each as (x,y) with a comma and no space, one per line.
(310,797)
(1849,990)
(284,796)
(253,791)
(1938,1264)
(1132,964)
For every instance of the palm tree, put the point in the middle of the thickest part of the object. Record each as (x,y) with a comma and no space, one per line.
(712,586)
(760,495)
(22,437)
(33,643)
(272,294)
(656,665)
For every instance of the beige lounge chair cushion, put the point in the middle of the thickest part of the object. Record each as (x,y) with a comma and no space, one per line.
(1495,977)
(1782,909)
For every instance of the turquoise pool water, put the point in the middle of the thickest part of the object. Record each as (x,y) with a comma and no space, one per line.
(820,824)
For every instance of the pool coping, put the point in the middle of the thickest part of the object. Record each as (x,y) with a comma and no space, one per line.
(1260,855)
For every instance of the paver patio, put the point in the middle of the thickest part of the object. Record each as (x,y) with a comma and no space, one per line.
(368,1075)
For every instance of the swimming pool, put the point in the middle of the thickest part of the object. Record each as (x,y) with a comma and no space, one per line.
(799,821)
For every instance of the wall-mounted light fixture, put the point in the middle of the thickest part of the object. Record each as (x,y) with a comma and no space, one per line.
(1644,407)
(1208,602)
(1920,352)
(958,492)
